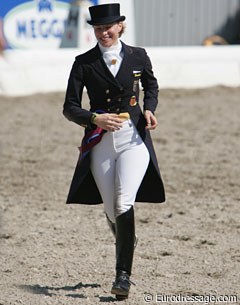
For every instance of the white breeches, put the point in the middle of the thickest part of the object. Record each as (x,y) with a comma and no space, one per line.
(118,164)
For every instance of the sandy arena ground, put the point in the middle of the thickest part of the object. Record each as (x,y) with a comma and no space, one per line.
(52,253)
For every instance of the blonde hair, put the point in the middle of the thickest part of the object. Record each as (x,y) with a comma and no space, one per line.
(123,28)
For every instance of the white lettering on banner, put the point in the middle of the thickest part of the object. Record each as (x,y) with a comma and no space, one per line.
(36,24)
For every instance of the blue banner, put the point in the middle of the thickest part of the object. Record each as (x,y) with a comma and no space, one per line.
(31,24)
(6,6)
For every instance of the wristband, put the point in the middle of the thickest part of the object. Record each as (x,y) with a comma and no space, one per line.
(93,117)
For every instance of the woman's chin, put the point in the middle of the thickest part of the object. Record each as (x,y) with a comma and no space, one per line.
(106,43)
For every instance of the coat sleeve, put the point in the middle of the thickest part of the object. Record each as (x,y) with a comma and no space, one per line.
(150,86)
(72,108)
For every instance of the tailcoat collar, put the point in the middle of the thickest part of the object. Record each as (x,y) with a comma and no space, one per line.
(101,68)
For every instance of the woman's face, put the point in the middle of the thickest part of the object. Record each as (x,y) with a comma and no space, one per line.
(107,35)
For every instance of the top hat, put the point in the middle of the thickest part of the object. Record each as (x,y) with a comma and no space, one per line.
(105,14)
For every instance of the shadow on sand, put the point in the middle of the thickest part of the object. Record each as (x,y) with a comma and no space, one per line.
(51,291)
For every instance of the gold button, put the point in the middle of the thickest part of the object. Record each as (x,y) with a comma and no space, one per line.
(108,109)
(107,91)
(108,100)
(120,99)
(118,109)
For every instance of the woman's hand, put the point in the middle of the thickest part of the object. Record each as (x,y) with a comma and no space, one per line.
(151,119)
(108,121)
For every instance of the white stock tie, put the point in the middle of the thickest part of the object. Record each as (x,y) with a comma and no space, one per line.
(113,60)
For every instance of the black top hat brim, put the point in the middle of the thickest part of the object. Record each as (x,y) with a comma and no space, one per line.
(106,20)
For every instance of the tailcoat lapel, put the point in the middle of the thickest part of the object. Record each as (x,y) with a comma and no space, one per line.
(101,68)
(127,62)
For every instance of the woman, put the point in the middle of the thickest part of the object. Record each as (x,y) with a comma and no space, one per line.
(117,163)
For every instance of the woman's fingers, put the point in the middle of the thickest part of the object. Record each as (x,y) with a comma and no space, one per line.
(151,120)
(108,121)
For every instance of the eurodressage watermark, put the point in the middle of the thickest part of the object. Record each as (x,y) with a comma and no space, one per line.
(188,299)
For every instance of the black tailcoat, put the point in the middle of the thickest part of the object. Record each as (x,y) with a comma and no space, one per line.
(112,94)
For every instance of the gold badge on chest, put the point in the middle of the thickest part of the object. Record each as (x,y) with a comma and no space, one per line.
(113,62)
(133,101)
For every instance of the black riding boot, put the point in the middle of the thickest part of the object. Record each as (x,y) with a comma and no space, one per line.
(125,238)
(112,227)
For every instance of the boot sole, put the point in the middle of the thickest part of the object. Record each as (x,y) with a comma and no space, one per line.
(121,297)
(119,292)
